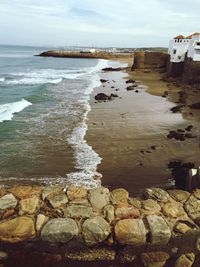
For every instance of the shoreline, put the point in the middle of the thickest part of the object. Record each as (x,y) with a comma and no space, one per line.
(130,132)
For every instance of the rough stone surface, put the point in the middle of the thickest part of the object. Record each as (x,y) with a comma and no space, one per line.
(59,230)
(154,259)
(3,191)
(157,194)
(3,255)
(6,214)
(95,230)
(173,210)
(130,232)
(192,207)
(127,212)
(16,230)
(179,195)
(57,201)
(26,191)
(7,201)
(150,207)
(76,192)
(78,211)
(196,193)
(198,244)
(119,196)
(182,228)
(159,230)
(135,202)
(99,197)
(51,190)
(29,205)
(40,221)
(109,213)
(185,260)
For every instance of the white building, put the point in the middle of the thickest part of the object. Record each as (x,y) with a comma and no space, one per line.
(181,46)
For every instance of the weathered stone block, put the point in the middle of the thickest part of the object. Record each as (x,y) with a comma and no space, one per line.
(127,212)
(7,201)
(119,196)
(29,205)
(76,192)
(99,197)
(78,211)
(57,201)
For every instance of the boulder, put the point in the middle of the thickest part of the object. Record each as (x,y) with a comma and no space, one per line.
(179,195)
(173,210)
(57,201)
(51,190)
(76,192)
(3,191)
(130,81)
(59,230)
(150,207)
(135,202)
(130,232)
(26,191)
(192,207)
(40,221)
(154,259)
(17,230)
(127,212)
(109,213)
(182,228)
(29,205)
(95,230)
(157,194)
(185,260)
(99,197)
(159,230)
(119,196)
(7,201)
(103,80)
(101,97)
(7,214)
(196,193)
(78,211)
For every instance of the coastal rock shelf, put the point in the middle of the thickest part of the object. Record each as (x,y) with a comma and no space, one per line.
(79,224)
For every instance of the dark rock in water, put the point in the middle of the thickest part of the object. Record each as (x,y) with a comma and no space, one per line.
(136,91)
(131,87)
(189,128)
(130,81)
(114,95)
(195,106)
(177,108)
(179,135)
(112,87)
(101,97)
(180,131)
(103,80)
(112,69)
(116,89)
(153,147)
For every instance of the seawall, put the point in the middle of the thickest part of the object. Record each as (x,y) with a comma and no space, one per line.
(77,225)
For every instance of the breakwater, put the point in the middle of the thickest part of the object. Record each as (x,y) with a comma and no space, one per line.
(158,228)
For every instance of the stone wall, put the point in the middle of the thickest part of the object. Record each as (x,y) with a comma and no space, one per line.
(191,72)
(159,228)
(146,60)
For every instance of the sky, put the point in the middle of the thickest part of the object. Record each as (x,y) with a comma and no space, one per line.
(116,23)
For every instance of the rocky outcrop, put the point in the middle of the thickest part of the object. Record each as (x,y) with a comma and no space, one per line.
(149,60)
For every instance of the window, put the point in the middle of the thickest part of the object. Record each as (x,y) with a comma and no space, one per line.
(198,43)
(174,51)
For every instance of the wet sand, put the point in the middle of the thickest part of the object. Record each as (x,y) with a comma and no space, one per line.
(130,132)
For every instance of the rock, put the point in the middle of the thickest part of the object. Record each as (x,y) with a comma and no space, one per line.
(7,213)
(40,221)
(198,244)
(99,197)
(101,97)
(182,228)
(109,213)
(130,232)
(76,192)
(29,205)
(135,202)
(185,260)
(196,193)
(78,211)
(159,230)
(119,196)
(59,230)
(103,80)
(173,210)
(3,255)
(51,190)
(131,87)
(58,201)
(179,195)
(7,201)
(150,207)
(127,212)
(177,108)
(17,230)
(112,69)
(3,191)
(95,230)
(82,202)
(192,207)
(189,128)
(154,259)
(130,81)
(26,191)
(157,194)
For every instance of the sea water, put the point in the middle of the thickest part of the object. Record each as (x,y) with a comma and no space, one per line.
(44,103)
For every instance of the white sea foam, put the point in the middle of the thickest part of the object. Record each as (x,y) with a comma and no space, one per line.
(86,158)
(2,79)
(7,110)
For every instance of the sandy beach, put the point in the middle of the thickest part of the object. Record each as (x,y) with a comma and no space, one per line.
(130,131)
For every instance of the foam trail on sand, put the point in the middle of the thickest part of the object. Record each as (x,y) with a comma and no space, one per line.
(7,110)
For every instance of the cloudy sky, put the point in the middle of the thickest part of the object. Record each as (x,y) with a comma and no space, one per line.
(125,23)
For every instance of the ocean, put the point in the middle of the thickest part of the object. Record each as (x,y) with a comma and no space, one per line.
(44,103)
